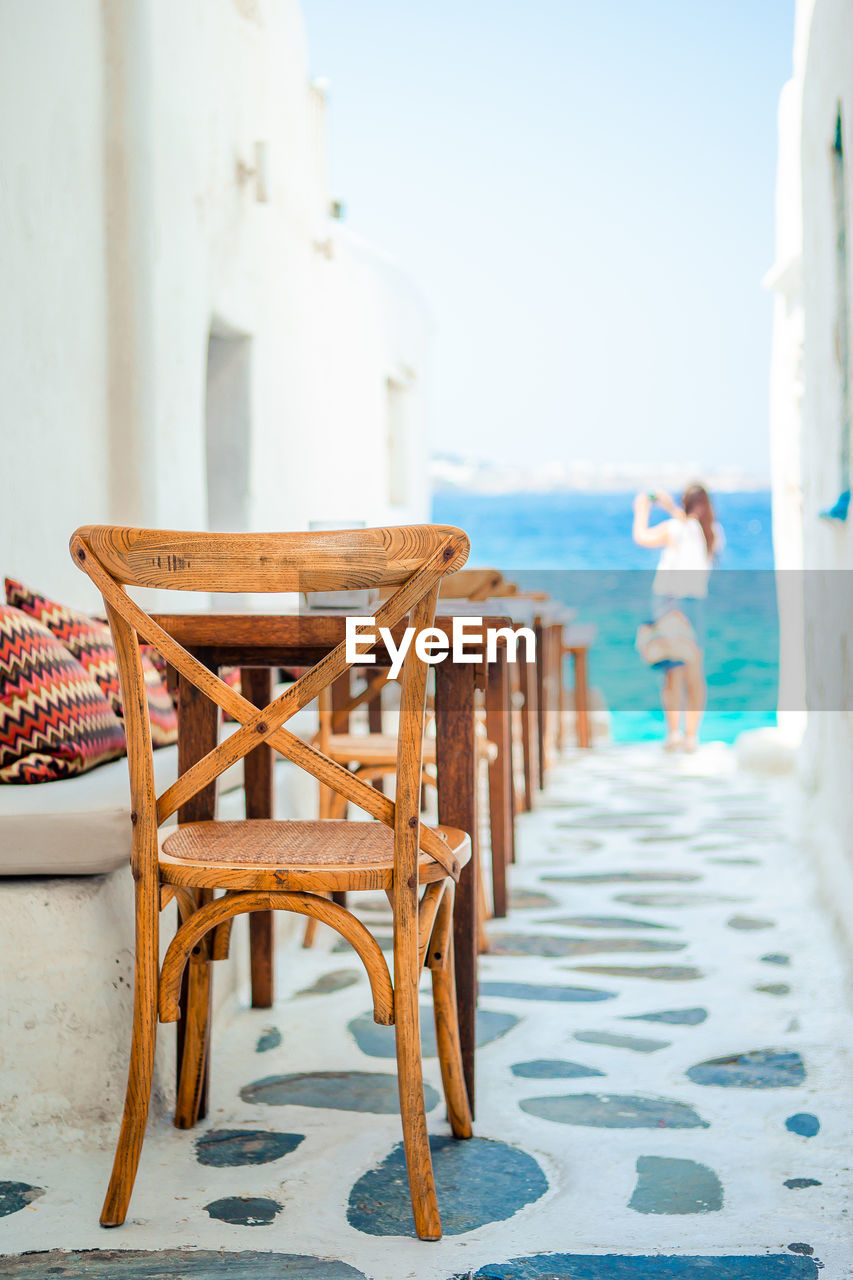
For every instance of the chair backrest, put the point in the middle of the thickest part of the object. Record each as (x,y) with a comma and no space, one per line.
(471,584)
(411,558)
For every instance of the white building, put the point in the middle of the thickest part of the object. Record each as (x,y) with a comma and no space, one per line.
(811,427)
(187,338)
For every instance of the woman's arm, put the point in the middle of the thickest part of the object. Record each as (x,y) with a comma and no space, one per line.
(665,500)
(643,535)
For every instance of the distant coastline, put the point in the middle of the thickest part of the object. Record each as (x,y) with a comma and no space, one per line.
(456,472)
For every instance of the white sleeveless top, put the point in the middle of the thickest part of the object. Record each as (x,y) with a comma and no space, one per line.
(685,565)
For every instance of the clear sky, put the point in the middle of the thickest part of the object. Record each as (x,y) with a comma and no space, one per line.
(584,193)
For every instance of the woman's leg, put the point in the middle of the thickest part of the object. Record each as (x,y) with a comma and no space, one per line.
(672,697)
(695,678)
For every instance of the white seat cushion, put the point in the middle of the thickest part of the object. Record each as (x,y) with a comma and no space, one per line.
(81,826)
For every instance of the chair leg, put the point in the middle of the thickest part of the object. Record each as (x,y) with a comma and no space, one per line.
(410,1082)
(196,1042)
(141,1069)
(483,912)
(443,969)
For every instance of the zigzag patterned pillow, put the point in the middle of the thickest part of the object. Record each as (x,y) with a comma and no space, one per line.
(91,643)
(54,720)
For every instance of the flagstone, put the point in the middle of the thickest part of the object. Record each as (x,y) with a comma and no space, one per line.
(369,1091)
(553,1069)
(174,1264)
(337,980)
(378,1041)
(554,946)
(804,1124)
(614,1111)
(478,1181)
(674,1017)
(233,1147)
(667,1185)
(637,1043)
(756,1069)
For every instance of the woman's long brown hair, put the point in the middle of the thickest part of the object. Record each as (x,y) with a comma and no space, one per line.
(697,503)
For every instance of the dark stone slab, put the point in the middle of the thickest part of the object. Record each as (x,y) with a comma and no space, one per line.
(537,991)
(673,1017)
(174,1264)
(379,1042)
(655,972)
(244,1211)
(736,862)
(578,844)
(369,1091)
(337,980)
(234,1147)
(614,1111)
(757,1069)
(17,1195)
(477,1181)
(803,1123)
(647,820)
(637,1043)
(626,877)
(748,923)
(528,900)
(664,837)
(605,922)
(665,1185)
(553,1069)
(553,946)
(798,1184)
(776,957)
(799,1247)
(385,940)
(578,1266)
(674,899)
(268,1039)
(774,988)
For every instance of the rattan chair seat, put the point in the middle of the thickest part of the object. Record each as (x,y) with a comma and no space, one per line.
(262,853)
(381,749)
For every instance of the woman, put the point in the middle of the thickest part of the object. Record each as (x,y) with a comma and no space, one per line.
(689,542)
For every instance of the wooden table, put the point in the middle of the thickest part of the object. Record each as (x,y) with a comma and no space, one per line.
(256,643)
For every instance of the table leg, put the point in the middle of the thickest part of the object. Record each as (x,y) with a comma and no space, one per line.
(561,701)
(198,731)
(341,693)
(256,684)
(581,696)
(374,724)
(500,777)
(456,767)
(541,697)
(529,731)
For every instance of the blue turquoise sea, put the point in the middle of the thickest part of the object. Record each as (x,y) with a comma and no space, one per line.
(578,547)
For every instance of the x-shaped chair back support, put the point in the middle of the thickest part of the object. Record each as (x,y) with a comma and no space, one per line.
(412,558)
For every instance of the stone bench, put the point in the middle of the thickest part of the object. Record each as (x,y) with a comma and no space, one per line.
(67,943)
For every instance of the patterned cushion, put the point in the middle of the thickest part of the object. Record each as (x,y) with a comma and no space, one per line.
(54,720)
(91,643)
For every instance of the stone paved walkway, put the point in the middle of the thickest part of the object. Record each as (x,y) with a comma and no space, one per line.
(664,1079)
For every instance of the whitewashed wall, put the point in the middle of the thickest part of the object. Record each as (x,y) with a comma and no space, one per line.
(132,231)
(807,410)
(55,456)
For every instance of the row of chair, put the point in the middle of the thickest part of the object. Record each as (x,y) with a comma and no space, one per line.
(261,864)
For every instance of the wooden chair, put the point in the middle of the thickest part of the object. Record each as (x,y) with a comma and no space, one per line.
(577,642)
(373,757)
(262,864)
